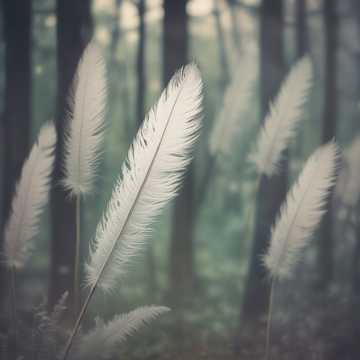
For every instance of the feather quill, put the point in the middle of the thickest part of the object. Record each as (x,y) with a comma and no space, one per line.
(282,121)
(150,177)
(85,132)
(102,342)
(302,211)
(236,99)
(30,197)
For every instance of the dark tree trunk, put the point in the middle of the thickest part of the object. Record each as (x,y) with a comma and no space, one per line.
(175,51)
(16,119)
(326,246)
(74,28)
(302,48)
(121,69)
(17,104)
(223,60)
(271,191)
(302,43)
(235,25)
(355,269)
(115,32)
(141,65)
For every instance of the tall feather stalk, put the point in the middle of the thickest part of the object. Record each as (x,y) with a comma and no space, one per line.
(280,125)
(299,217)
(150,178)
(31,195)
(85,135)
(103,340)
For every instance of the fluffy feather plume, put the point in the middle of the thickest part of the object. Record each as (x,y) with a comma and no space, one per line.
(228,122)
(30,197)
(102,342)
(302,212)
(150,177)
(282,121)
(85,131)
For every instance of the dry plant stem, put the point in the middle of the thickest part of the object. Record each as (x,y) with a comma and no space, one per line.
(250,210)
(78,322)
(13,308)
(77,258)
(269,318)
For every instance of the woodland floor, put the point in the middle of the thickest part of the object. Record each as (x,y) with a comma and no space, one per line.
(320,329)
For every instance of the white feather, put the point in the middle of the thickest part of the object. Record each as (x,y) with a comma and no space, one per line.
(85,131)
(282,121)
(30,197)
(103,341)
(302,212)
(150,177)
(228,122)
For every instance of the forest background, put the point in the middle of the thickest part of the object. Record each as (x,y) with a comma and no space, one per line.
(201,261)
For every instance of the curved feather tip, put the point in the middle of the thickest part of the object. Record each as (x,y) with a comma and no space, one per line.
(85,132)
(302,211)
(30,197)
(281,123)
(103,341)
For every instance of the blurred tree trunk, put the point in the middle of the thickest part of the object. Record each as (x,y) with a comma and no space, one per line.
(17,102)
(271,191)
(302,48)
(210,160)
(223,60)
(302,42)
(235,25)
(2,91)
(356,252)
(355,270)
(74,30)
(326,243)
(175,54)
(140,114)
(120,66)
(141,65)
(115,32)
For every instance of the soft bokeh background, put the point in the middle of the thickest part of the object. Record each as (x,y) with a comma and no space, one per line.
(315,318)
